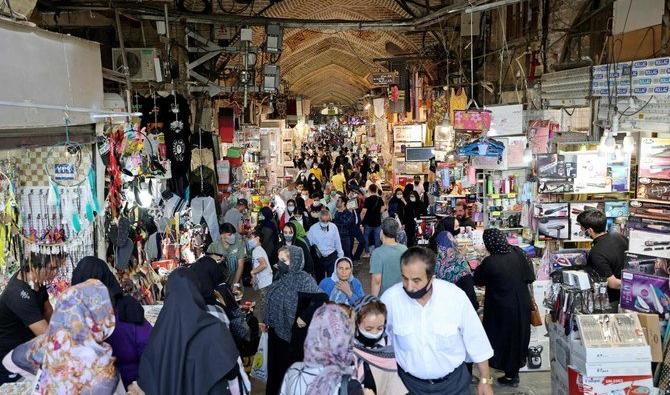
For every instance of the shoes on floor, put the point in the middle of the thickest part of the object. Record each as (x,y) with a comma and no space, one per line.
(508,382)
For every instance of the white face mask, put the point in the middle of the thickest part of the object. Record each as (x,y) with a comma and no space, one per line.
(412,199)
(370,335)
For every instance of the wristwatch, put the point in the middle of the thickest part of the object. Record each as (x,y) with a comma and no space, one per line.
(486,380)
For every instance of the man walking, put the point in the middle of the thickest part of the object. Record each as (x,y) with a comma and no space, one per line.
(385,260)
(235,215)
(324,238)
(434,328)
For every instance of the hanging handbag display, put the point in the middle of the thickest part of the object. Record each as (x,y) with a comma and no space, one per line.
(474,120)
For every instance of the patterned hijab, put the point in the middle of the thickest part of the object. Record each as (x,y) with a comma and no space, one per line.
(496,242)
(283,295)
(72,354)
(329,345)
(451,265)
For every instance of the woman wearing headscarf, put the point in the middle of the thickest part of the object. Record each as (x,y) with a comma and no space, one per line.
(376,367)
(448,224)
(72,357)
(412,213)
(397,205)
(288,213)
(132,331)
(290,236)
(283,317)
(329,357)
(506,273)
(222,305)
(451,266)
(270,238)
(313,184)
(342,287)
(190,351)
(219,297)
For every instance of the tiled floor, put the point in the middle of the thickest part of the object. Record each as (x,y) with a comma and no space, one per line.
(537,383)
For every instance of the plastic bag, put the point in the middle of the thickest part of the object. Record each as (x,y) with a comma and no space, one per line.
(259,369)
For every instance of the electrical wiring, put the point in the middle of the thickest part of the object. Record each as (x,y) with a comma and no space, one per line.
(636,112)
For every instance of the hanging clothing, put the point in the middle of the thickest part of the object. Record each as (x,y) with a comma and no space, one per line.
(72,354)
(205,208)
(190,352)
(506,273)
(458,100)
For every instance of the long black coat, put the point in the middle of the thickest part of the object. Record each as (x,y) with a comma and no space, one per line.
(507,307)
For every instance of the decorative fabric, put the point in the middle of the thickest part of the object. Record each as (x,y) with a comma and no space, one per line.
(496,242)
(283,294)
(451,265)
(329,344)
(73,355)
(367,299)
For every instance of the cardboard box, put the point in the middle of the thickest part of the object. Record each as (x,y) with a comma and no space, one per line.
(644,293)
(598,369)
(611,354)
(561,352)
(652,332)
(609,385)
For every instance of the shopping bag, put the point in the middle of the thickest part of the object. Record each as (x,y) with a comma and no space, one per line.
(259,369)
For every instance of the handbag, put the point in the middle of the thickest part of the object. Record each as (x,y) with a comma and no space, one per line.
(472,120)
(535,317)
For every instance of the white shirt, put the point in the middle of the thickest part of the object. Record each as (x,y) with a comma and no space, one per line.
(264,277)
(431,341)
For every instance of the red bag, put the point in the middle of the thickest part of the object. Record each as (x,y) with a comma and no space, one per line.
(473,120)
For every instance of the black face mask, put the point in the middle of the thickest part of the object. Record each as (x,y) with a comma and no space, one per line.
(420,293)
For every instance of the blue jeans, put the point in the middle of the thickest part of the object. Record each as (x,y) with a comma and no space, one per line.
(347,245)
(358,235)
(372,231)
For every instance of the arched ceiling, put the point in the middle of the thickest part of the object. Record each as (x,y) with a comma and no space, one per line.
(333,66)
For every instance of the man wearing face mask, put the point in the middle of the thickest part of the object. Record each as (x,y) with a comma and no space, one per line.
(289,192)
(324,238)
(434,329)
(608,251)
(231,247)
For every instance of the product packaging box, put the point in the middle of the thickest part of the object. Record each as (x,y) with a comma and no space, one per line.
(651,326)
(567,258)
(654,161)
(648,237)
(638,263)
(609,385)
(653,189)
(650,210)
(644,293)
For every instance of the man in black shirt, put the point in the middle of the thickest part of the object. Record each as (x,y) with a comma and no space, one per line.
(24,307)
(461,214)
(608,251)
(372,218)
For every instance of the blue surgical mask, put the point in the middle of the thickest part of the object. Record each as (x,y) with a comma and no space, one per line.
(288,237)
(230,239)
(251,244)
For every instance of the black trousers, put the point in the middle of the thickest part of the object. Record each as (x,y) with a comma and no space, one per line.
(455,383)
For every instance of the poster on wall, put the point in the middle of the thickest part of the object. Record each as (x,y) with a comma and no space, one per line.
(506,120)
(539,132)
(408,132)
(553,220)
(514,149)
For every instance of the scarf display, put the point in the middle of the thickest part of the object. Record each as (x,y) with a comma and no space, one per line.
(329,344)
(126,307)
(283,294)
(336,295)
(451,265)
(73,356)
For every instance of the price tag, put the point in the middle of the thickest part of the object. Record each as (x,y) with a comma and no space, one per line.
(494,196)
(495,214)
(511,195)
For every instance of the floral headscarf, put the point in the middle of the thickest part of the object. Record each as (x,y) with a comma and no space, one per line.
(72,354)
(496,242)
(451,265)
(329,344)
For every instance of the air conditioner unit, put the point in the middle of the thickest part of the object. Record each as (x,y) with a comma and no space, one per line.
(142,63)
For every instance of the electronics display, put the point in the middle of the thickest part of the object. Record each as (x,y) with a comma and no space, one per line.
(648,237)
(645,293)
(567,258)
(653,189)
(553,220)
(654,159)
(418,154)
(650,210)
(646,264)
(553,174)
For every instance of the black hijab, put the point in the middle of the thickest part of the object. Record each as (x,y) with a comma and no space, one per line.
(190,352)
(209,274)
(127,309)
